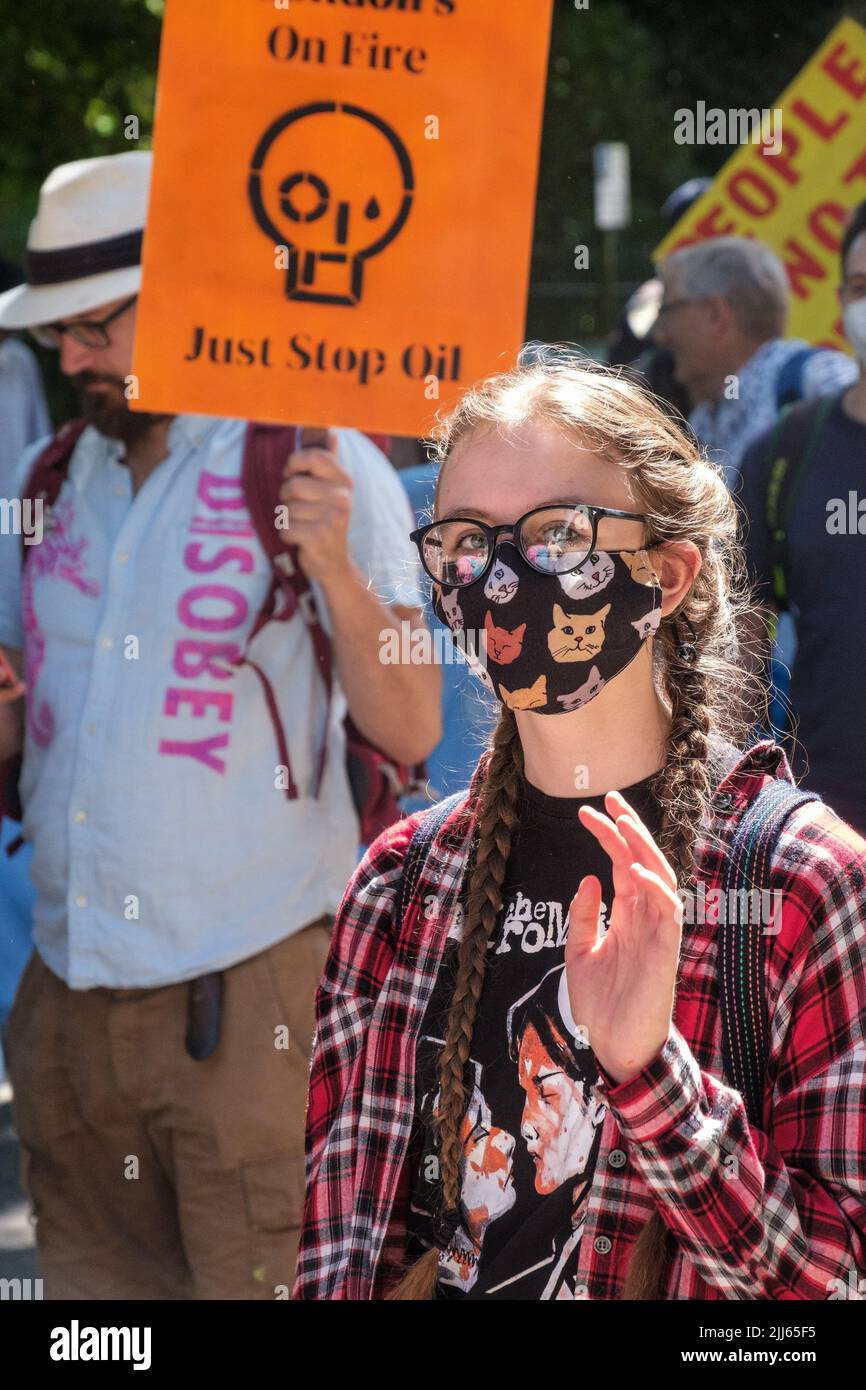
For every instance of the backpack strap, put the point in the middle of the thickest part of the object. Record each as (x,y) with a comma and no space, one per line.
(791,446)
(47,476)
(50,468)
(418,849)
(266,449)
(741,960)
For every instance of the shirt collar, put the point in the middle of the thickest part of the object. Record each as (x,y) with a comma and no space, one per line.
(764,761)
(190,430)
(185,432)
(750,378)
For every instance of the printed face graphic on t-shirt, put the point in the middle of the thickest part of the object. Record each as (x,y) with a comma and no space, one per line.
(559,1121)
(487,1189)
(486,1179)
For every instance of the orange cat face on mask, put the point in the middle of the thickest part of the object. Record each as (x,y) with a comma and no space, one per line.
(576,637)
(503,645)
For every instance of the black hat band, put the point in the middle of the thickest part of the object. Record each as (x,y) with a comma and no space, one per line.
(77,262)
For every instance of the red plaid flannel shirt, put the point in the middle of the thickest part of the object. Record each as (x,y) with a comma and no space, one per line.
(772,1213)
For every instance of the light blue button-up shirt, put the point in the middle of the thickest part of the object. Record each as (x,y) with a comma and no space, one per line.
(163,842)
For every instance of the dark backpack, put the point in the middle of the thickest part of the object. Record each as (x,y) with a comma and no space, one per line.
(788,455)
(741,962)
(789,452)
(376,780)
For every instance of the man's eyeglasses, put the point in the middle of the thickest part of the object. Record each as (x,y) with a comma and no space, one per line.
(553,540)
(90,333)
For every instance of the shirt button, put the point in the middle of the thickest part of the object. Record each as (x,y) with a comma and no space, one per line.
(122,558)
(119,490)
(91,728)
(601,1245)
(616,1158)
(80,816)
(107,642)
(81,901)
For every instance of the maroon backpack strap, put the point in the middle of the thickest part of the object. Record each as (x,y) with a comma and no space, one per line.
(50,468)
(46,478)
(266,449)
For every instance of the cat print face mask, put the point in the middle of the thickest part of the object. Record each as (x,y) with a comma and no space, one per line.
(550,643)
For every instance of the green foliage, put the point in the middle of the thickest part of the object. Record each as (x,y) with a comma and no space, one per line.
(74,70)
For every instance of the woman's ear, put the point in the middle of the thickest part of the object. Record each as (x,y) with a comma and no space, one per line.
(677,564)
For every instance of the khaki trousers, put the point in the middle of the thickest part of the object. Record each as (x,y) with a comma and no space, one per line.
(153,1176)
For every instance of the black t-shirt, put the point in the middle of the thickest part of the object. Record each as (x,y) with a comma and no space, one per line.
(826,578)
(531,1132)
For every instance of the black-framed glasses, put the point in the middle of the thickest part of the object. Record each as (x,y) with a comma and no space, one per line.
(88,332)
(555,539)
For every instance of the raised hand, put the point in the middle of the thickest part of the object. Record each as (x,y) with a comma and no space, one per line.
(318,495)
(621,988)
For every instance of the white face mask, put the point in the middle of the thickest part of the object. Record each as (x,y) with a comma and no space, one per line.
(854,319)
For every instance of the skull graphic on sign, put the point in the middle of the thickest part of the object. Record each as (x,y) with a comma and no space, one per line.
(334,184)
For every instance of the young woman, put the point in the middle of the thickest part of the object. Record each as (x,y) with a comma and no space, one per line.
(518,1083)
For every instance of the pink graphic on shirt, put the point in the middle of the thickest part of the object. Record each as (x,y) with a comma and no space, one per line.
(195,656)
(59,555)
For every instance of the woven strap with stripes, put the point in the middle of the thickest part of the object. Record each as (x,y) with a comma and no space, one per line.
(741,960)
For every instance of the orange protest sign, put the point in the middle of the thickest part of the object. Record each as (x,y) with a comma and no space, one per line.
(794,191)
(342,206)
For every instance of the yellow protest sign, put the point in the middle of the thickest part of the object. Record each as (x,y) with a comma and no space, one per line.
(795,189)
(342,206)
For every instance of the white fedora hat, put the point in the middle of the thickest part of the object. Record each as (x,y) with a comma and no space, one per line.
(84,245)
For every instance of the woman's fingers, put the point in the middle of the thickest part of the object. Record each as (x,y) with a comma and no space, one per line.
(643,847)
(620,805)
(611,841)
(583,915)
(659,895)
